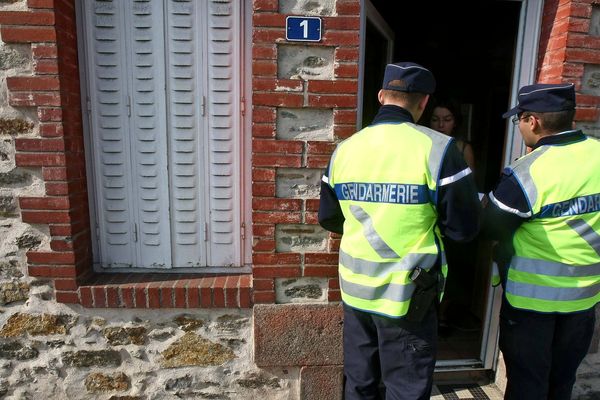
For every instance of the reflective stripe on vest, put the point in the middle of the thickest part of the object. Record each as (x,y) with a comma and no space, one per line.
(387,194)
(556,267)
(376,242)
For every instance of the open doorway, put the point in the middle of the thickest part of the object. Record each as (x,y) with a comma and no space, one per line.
(472,48)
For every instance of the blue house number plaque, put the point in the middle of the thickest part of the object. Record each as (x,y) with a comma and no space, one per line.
(303,29)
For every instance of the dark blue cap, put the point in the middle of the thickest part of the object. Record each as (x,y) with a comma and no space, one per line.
(544,97)
(408,77)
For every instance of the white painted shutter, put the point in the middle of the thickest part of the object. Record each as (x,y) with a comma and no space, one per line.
(186,129)
(166,123)
(110,137)
(224,139)
(128,115)
(149,132)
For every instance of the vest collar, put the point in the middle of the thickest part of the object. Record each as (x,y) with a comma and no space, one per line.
(392,114)
(562,138)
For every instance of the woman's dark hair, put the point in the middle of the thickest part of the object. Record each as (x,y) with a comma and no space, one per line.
(451,105)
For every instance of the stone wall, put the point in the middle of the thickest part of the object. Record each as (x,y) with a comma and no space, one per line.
(66,352)
(17,237)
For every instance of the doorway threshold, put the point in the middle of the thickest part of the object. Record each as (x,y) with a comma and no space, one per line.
(463,375)
(466,391)
(458,364)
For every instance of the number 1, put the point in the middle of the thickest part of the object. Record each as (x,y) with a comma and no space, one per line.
(304,24)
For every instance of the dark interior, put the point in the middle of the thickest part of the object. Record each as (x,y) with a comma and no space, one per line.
(470,48)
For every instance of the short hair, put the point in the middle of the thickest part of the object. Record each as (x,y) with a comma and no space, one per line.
(556,121)
(410,99)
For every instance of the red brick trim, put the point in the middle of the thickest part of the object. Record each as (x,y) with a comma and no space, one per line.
(270,153)
(165,291)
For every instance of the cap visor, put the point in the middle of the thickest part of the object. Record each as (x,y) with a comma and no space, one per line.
(511,112)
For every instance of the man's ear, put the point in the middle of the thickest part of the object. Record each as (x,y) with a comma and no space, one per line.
(535,124)
(423,103)
(380,97)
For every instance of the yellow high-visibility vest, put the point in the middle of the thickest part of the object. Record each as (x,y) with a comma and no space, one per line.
(556,266)
(385,178)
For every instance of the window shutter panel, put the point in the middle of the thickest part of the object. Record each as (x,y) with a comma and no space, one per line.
(165,88)
(223,97)
(128,115)
(186,155)
(148,121)
(109,122)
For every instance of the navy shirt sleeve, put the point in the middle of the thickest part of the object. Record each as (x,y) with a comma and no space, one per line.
(331,216)
(507,208)
(458,205)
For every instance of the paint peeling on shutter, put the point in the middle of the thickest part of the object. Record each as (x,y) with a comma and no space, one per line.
(223,133)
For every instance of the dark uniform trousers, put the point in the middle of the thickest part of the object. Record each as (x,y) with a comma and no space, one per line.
(542,351)
(399,353)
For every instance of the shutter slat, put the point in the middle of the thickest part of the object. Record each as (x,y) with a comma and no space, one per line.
(149,132)
(110,139)
(224,157)
(185,130)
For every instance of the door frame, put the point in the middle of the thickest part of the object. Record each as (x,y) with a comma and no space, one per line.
(524,70)
(370,13)
(524,73)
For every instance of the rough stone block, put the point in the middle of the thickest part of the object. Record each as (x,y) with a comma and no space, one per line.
(297,334)
(118,335)
(92,358)
(14,126)
(303,183)
(28,241)
(301,290)
(300,238)
(590,83)
(10,269)
(45,324)
(13,57)
(98,382)
(595,21)
(17,351)
(11,292)
(321,383)
(307,7)
(305,62)
(14,177)
(193,350)
(8,206)
(590,129)
(304,124)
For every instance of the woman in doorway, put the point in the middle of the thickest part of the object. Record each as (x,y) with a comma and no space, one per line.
(455,310)
(446,118)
